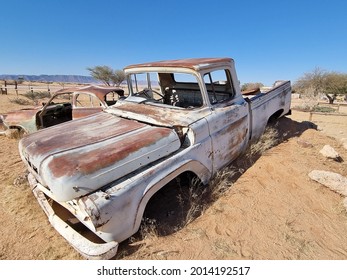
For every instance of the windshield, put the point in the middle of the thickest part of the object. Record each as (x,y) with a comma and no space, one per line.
(173,89)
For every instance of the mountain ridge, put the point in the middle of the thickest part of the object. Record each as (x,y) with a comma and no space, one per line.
(51,78)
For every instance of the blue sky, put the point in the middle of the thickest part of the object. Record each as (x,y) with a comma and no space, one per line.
(269,40)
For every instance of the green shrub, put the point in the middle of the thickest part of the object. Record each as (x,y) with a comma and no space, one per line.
(323,109)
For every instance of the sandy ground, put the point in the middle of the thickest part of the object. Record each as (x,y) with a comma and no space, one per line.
(272,211)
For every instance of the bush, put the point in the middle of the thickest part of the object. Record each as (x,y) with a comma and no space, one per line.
(35,96)
(20,101)
(323,109)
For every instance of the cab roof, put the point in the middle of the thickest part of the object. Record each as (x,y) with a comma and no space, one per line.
(192,63)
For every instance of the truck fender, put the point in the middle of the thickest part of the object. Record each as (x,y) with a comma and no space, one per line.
(193,166)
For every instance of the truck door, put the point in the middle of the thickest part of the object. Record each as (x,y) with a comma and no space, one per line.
(229,121)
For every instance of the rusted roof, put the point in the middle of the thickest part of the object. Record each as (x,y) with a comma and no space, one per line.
(192,63)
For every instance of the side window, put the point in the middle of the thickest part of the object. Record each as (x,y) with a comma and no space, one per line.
(219,86)
(111,98)
(87,101)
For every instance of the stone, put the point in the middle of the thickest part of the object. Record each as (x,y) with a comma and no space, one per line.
(304,143)
(333,181)
(329,152)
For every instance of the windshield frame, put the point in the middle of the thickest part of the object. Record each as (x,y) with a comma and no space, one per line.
(134,86)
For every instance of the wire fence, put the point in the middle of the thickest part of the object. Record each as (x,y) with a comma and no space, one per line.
(18,89)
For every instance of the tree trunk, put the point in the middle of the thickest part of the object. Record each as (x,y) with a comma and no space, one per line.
(331,98)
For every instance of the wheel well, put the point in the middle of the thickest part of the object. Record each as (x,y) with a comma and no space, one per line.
(176,176)
(21,130)
(168,206)
(275,116)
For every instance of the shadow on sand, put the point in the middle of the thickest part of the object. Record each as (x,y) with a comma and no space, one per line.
(183,200)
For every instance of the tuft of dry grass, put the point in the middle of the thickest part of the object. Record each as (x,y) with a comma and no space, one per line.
(148,229)
(268,140)
(224,249)
(35,96)
(12,133)
(20,101)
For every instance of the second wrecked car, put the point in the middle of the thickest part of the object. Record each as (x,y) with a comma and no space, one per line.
(64,105)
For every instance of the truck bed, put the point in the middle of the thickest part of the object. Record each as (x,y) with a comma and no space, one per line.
(271,104)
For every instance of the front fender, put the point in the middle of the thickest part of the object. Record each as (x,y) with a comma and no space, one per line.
(23,120)
(116,213)
(157,183)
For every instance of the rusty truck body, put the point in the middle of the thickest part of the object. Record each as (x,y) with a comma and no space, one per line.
(180,116)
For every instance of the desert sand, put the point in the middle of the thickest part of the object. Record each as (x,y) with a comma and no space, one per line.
(271,210)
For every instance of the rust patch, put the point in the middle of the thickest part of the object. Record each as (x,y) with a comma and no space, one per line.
(90,161)
(78,113)
(77,133)
(20,116)
(239,131)
(168,116)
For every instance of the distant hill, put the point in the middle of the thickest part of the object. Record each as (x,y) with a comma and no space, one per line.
(76,79)
(52,78)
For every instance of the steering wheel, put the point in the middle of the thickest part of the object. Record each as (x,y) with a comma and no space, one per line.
(157,92)
(146,92)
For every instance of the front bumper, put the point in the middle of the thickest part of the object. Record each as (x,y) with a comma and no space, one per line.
(85,247)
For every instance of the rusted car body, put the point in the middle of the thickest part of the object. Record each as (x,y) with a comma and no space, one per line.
(65,105)
(190,117)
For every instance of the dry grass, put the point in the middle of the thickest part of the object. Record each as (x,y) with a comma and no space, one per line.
(35,96)
(13,133)
(148,229)
(20,101)
(269,139)
(222,248)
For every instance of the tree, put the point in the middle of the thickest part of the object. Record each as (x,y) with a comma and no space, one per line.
(335,84)
(311,83)
(118,77)
(251,86)
(321,82)
(20,80)
(107,75)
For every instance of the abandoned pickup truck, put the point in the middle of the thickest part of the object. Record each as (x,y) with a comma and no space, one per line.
(181,116)
(65,105)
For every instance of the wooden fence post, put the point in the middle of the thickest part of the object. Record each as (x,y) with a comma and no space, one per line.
(16,87)
(5,87)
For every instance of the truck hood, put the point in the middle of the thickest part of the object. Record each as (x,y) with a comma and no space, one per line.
(78,157)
